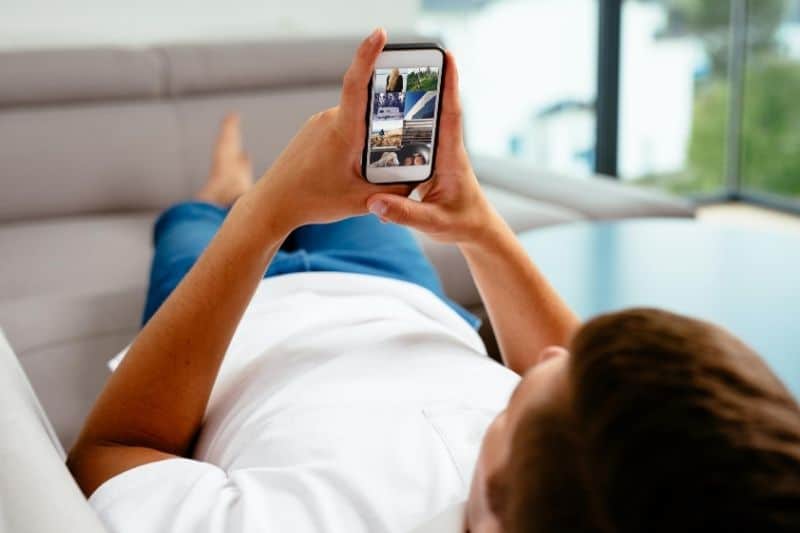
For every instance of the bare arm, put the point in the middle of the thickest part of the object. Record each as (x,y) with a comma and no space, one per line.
(153,406)
(526,312)
(157,398)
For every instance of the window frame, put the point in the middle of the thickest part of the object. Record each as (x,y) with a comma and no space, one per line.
(607,107)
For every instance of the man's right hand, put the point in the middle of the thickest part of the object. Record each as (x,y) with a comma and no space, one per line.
(452,207)
(527,314)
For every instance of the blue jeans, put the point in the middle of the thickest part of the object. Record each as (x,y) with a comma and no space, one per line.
(361,245)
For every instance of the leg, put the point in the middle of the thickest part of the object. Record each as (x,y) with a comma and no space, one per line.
(183,232)
(181,235)
(384,249)
(353,234)
(364,245)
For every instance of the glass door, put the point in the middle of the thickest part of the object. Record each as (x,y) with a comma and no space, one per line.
(530,69)
(770,118)
(710,98)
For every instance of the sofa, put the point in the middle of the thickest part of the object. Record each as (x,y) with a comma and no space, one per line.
(94,142)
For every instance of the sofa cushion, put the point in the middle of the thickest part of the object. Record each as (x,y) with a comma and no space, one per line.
(127,156)
(72,295)
(37,492)
(74,255)
(269,121)
(597,199)
(63,343)
(50,77)
(88,158)
(74,76)
(245,66)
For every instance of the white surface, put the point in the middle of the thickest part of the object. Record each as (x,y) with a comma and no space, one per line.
(48,23)
(451,520)
(345,403)
(37,493)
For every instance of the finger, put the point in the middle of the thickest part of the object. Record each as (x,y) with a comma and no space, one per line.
(450,121)
(403,189)
(401,210)
(353,102)
(246,163)
(422,190)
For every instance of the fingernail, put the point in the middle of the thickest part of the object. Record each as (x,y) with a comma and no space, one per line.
(375,35)
(378,208)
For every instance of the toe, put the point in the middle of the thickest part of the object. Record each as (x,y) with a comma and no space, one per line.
(229,139)
(246,167)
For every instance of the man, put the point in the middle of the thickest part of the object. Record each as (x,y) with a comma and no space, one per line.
(353,396)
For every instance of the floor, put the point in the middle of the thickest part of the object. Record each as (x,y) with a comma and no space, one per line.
(737,214)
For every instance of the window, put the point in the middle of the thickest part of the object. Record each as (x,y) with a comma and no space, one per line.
(709,100)
(528,74)
(674,94)
(770,142)
(708,90)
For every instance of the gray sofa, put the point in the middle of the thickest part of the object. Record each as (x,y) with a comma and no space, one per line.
(94,142)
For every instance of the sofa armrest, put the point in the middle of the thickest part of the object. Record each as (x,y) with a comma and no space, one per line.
(37,492)
(595,199)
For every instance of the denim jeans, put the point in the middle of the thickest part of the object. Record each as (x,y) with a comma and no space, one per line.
(360,245)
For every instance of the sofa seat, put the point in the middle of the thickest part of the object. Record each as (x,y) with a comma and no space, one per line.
(73,290)
(72,295)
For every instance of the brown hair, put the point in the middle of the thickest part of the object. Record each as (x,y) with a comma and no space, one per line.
(671,424)
(394,82)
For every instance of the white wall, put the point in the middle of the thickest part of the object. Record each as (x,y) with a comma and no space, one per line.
(517,57)
(44,23)
(656,94)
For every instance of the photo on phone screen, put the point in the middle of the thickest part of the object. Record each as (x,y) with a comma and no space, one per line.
(403,118)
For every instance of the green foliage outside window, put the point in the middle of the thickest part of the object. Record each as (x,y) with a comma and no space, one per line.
(770,159)
(422,80)
(770,131)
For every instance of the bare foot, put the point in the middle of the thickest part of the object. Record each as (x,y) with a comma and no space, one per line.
(231,170)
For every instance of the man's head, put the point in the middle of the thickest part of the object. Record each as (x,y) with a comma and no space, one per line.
(649,422)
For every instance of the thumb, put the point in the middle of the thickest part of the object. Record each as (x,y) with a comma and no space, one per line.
(405,211)
(450,123)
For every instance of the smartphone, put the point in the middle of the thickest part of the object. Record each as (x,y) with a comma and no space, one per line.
(402,114)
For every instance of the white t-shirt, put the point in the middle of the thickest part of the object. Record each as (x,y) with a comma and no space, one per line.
(346,403)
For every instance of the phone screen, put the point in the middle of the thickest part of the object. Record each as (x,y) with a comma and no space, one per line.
(403,120)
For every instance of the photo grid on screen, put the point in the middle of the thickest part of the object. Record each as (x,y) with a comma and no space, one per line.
(403,114)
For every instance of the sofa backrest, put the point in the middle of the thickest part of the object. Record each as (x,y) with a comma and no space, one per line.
(109,129)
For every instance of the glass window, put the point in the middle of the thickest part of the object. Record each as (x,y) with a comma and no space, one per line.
(674,93)
(771,114)
(528,76)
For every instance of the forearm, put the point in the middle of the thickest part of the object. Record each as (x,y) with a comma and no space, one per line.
(525,310)
(157,397)
(153,406)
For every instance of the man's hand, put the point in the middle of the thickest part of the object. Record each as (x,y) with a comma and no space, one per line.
(317,178)
(526,312)
(153,406)
(453,207)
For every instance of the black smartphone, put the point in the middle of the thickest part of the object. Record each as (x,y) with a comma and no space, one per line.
(402,114)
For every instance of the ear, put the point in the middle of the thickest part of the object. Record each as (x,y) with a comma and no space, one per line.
(486,502)
(496,498)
